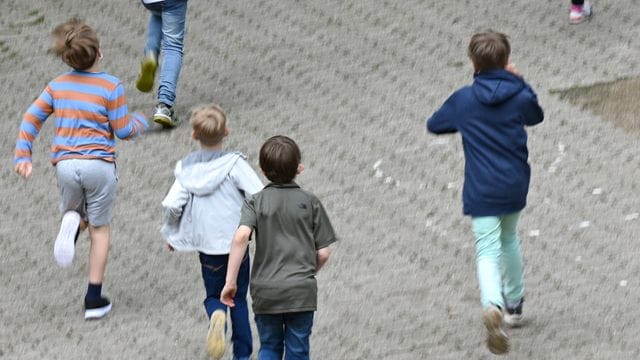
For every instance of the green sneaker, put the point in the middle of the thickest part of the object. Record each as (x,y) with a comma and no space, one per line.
(164,116)
(147,74)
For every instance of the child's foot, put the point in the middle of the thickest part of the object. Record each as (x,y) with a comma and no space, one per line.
(497,340)
(580,13)
(147,73)
(164,116)
(513,315)
(96,308)
(64,247)
(215,338)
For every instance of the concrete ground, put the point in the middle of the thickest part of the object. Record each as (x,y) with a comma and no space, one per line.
(352,82)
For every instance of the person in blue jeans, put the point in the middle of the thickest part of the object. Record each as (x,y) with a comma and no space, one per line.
(166,31)
(202,212)
(292,238)
(491,116)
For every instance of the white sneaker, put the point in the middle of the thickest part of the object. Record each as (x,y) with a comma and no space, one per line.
(578,15)
(215,337)
(497,339)
(65,247)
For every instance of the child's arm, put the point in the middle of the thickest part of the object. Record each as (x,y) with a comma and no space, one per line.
(323,234)
(443,120)
(124,126)
(238,249)
(533,113)
(173,205)
(32,122)
(322,256)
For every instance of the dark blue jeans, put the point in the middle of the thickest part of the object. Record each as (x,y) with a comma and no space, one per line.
(280,332)
(214,273)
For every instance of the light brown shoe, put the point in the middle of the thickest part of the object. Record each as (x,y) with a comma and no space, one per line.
(497,339)
(215,338)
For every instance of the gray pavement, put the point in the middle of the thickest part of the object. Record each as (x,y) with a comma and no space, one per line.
(352,82)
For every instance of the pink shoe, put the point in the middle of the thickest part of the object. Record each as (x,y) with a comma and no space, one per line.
(580,13)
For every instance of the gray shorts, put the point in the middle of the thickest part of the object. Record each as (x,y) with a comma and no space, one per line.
(88,186)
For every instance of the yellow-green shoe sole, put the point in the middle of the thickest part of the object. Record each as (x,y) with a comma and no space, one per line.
(165,122)
(147,74)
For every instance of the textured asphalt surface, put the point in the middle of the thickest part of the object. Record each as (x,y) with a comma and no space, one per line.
(352,82)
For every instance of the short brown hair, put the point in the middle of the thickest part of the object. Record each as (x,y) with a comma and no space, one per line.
(489,50)
(76,43)
(279,159)
(209,123)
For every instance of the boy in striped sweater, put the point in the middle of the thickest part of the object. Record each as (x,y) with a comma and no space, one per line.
(90,110)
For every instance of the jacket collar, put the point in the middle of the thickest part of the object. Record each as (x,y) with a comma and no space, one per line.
(291,185)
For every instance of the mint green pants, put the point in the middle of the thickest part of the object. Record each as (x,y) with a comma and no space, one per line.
(498,259)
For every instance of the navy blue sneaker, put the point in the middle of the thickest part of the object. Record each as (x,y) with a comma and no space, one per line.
(513,315)
(96,308)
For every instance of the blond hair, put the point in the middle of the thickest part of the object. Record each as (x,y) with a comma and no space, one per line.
(489,50)
(76,43)
(209,124)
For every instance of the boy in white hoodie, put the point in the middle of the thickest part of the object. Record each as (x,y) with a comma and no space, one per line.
(202,212)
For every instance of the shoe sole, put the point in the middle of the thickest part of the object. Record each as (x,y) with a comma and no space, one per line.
(497,339)
(579,21)
(165,121)
(215,337)
(64,248)
(92,314)
(513,321)
(147,75)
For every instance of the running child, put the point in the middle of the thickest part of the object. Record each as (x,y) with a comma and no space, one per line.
(202,212)
(90,109)
(491,116)
(292,234)
(165,31)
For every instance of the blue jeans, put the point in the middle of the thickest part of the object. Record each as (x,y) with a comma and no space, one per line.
(290,331)
(166,28)
(214,273)
(498,259)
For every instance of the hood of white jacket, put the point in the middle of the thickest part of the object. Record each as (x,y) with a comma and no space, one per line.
(202,178)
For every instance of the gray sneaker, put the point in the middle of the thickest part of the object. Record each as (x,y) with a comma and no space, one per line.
(164,116)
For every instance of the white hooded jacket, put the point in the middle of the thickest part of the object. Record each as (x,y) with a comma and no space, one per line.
(202,208)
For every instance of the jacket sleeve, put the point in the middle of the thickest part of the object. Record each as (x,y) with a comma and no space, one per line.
(443,120)
(245,179)
(173,205)
(533,113)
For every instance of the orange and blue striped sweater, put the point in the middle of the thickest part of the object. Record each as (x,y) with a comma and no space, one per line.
(90,108)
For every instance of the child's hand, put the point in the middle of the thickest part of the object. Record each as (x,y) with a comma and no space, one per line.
(141,120)
(228,294)
(24,169)
(511,67)
(170,248)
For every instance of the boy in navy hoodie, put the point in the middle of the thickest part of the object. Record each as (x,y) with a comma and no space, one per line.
(491,116)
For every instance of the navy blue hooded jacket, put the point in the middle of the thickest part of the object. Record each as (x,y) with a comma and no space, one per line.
(491,115)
